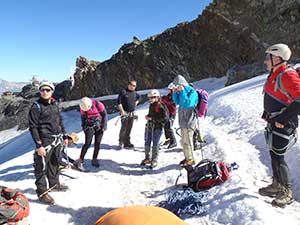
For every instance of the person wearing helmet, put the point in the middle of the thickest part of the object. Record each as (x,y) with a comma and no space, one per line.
(94,123)
(127,100)
(156,118)
(281,107)
(171,107)
(48,133)
(187,98)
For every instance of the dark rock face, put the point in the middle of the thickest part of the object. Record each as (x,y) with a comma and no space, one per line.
(228,33)
(14,112)
(62,89)
(239,73)
(29,91)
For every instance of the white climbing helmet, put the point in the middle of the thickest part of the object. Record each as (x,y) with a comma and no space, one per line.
(153,93)
(46,84)
(85,104)
(281,50)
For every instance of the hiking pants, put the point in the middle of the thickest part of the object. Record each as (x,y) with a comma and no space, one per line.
(152,135)
(126,126)
(280,169)
(187,143)
(169,133)
(89,133)
(46,167)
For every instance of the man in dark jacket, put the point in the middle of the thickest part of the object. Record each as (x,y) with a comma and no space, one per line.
(127,100)
(47,131)
(281,107)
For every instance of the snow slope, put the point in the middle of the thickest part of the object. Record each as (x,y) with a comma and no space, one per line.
(234,133)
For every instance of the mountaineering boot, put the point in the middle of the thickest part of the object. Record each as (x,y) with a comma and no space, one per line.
(79,165)
(147,159)
(167,142)
(46,199)
(153,164)
(271,190)
(95,163)
(187,162)
(146,162)
(128,145)
(172,144)
(285,197)
(60,187)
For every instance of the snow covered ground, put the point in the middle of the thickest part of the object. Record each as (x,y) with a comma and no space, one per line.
(234,133)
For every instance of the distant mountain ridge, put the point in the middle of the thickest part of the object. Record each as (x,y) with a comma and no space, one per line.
(11,86)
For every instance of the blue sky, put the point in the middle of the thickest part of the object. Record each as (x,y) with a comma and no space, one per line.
(44,37)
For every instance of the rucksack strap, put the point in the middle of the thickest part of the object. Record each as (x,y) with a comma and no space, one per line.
(98,107)
(279,85)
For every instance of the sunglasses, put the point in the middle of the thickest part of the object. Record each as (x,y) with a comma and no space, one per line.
(133,85)
(268,56)
(45,89)
(152,97)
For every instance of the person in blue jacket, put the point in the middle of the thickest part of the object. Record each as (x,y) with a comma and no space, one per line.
(187,98)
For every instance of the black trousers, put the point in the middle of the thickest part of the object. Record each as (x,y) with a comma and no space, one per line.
(89,133)
(280,169)
(46,168)
(126,126)
(169,133)
(279,146)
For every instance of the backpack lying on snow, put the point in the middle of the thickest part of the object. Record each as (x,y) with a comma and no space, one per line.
(14,206)
(207,174)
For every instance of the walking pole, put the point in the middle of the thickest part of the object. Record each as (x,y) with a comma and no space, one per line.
(65,148)
(116,123)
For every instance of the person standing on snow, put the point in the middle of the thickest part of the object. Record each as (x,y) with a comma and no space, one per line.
(48,133)
(94,123)
(187,98)
(127,101)
(281,107)
(171,107)
(156,118)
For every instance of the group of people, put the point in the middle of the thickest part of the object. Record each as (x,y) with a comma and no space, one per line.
(281,107)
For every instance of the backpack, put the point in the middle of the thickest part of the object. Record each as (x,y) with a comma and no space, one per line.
(14,206)
(202,105)
(279,85)
(207,174)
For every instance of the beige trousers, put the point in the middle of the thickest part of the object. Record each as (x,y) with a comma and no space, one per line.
(187,143)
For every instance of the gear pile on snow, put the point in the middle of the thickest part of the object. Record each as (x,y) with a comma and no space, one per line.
(185,202)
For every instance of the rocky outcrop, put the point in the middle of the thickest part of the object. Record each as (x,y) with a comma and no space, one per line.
(14,112)
(229,33)
(239,73)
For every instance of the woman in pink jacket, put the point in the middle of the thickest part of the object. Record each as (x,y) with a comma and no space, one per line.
(94,123)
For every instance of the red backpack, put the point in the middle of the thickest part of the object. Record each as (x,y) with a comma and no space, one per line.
(14,206)
(279,85)
(207,174)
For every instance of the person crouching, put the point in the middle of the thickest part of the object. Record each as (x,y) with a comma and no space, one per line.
(156,119)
